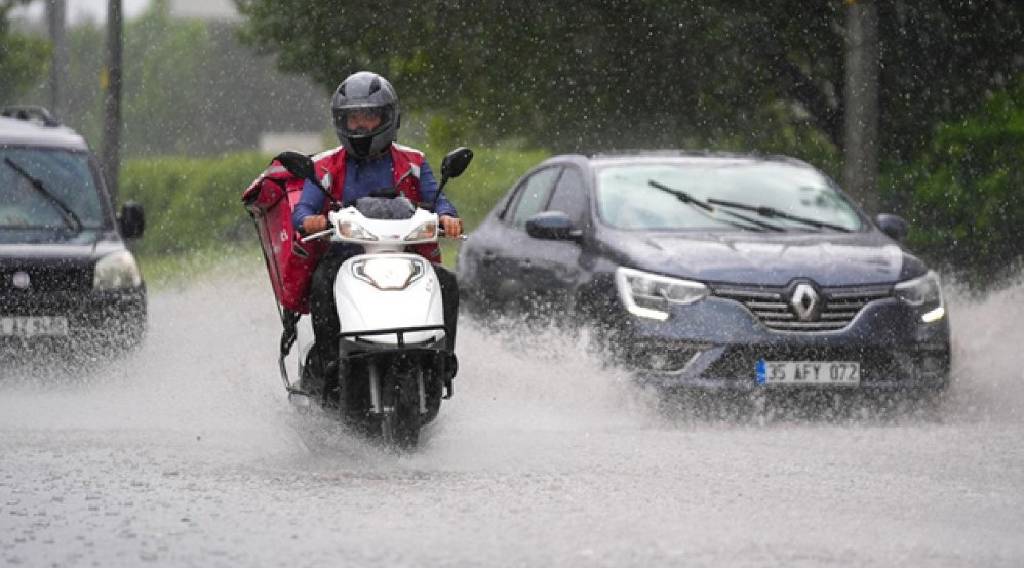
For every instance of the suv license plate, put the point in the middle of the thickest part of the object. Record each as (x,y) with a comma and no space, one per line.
(834,373)
(33,326)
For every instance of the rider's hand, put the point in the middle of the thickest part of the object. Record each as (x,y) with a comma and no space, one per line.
(452,226)
(314,224)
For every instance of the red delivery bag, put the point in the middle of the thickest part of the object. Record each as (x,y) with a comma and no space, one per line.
(290,262)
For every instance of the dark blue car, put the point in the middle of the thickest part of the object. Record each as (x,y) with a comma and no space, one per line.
(717,271)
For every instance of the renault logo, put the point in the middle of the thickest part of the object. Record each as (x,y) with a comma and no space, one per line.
(805,302)
(21,280)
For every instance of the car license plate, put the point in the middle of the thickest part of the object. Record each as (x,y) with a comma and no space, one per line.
(834,373)
(33,326)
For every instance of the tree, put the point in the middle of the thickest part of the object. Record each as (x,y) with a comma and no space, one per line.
(627,73)
(23,59)
(189,88)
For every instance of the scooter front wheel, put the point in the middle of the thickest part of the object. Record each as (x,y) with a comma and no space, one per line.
(400,423)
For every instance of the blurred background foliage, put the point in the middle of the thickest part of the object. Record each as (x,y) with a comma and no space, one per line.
(190,87)
(520,80)
(965,193)
(617,74)
(24,59)
(579,76)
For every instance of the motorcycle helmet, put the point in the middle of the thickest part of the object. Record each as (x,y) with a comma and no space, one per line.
(363,97)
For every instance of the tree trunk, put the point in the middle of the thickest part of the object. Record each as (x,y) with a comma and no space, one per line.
(112,102)
(860,124)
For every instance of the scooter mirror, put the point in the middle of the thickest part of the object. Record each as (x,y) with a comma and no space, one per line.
(297,164)
(456,162)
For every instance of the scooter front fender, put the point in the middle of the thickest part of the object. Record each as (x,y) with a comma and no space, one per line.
(363,306)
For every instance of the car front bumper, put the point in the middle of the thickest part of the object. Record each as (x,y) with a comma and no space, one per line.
(715,344)
(115,318)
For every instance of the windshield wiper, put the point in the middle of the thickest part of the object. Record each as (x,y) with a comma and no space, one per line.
(71,219)
(680,195)
(766,211)
(689,199)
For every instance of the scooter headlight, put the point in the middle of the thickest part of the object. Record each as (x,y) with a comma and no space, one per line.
(388,273)
(925,294)
(116,271)
(352,230)
(425,232)
(649,295)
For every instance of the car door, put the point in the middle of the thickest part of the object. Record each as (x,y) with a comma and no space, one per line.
(554,265)
(505,258)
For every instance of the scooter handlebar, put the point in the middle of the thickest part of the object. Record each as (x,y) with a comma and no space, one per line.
(317,236)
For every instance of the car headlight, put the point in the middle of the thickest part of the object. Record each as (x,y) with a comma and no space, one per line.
(116,271)
(425,232)
(650,295)
(925,294)
(388,273)
(352,230)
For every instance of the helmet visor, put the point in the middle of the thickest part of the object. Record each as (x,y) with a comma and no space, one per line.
(363,121)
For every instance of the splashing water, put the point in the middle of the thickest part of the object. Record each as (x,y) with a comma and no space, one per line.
(209,369)
(544,456)
(988,368)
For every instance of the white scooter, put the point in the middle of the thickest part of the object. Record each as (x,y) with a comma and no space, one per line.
(394,366)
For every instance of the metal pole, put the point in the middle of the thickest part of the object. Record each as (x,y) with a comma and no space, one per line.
(56,17)
(112,102)
(860,120)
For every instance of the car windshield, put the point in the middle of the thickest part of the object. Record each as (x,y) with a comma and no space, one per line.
(661,196)
(68,191)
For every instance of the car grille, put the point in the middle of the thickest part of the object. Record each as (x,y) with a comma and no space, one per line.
(772,308)
(58,278)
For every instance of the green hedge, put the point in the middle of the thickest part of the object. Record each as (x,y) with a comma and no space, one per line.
(191,204)
(964,197)
(194,204)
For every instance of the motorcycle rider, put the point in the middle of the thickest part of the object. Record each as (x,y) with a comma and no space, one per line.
(366,117)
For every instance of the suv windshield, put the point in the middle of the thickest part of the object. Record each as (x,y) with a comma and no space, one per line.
(66,180)
(627,199)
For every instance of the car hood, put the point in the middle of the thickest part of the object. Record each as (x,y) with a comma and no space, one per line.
(833,260)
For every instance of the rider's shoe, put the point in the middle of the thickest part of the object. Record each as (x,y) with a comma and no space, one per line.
(452,366)
(311,382)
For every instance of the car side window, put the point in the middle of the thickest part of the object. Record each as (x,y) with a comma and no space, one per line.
(570,196)
(534,195)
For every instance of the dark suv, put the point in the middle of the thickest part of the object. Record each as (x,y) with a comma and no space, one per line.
(65,272)
(715,271)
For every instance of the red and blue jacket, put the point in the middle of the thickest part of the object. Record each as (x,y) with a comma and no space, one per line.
(348,179)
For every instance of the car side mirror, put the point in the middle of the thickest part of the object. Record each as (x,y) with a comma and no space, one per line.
(297,164)
(456,162)
(894,226)
(132,220)
(552,225)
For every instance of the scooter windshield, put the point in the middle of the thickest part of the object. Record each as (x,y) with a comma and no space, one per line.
(385,208)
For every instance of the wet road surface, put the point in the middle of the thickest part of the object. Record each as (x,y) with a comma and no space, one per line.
(187,454)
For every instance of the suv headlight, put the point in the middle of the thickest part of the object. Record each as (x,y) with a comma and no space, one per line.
(650,295)
(925,294)
(351,230)
(388,273)
(116,271)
